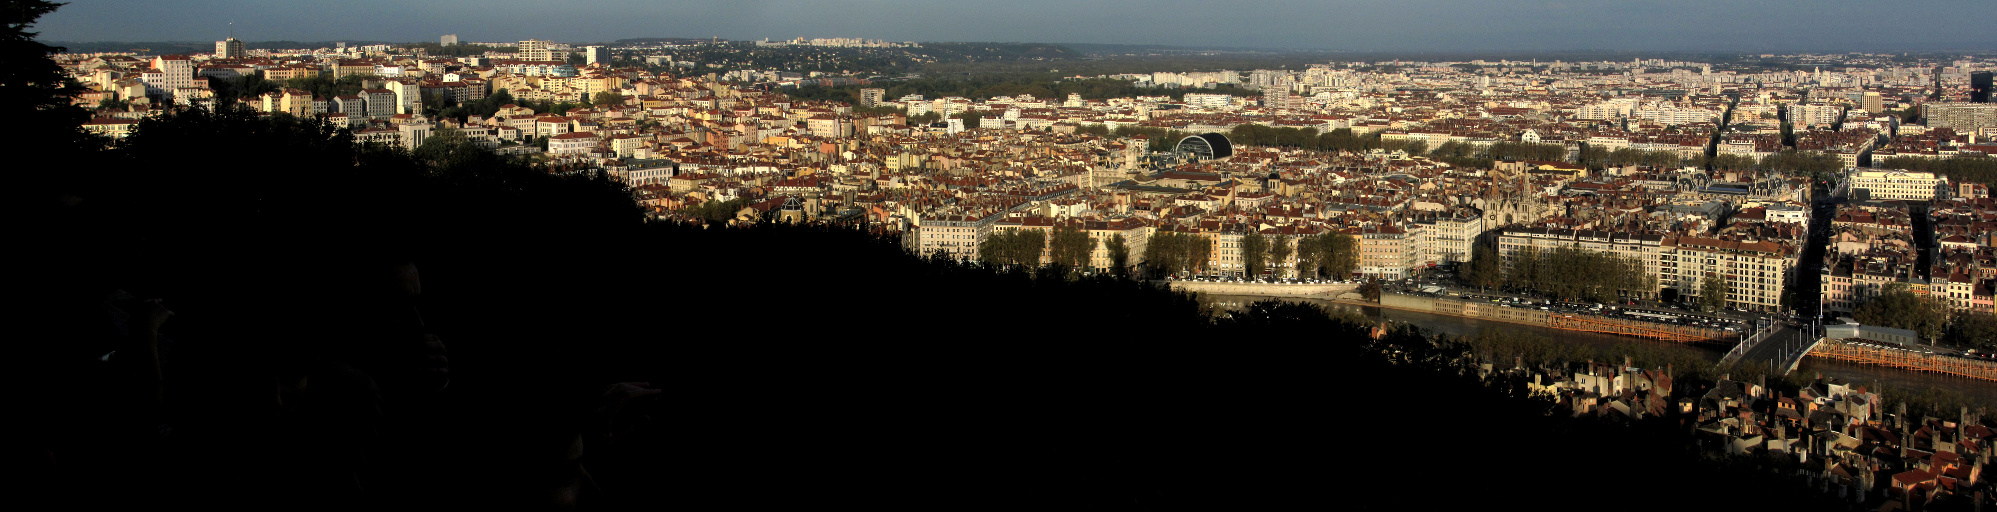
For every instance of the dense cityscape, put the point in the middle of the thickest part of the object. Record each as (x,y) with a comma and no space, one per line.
(1731,216)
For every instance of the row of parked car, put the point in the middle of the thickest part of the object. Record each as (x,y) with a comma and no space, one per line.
(1617,311)
(1268,280)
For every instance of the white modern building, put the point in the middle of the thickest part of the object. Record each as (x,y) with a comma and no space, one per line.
(1900,185)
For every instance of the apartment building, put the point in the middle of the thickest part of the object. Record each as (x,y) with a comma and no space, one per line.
(1388,252)
(534,50)
(957,235)
(1447,237)
(1961,117)
(1650,249)
(1900,185)
(1755,272)
(168,73)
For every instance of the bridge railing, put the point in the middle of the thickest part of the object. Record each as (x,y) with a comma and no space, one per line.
(1746,345)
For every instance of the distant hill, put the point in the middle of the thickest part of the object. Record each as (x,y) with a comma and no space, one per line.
(177,47)
(667,40)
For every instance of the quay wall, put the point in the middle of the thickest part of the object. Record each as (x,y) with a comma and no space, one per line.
(1493,311)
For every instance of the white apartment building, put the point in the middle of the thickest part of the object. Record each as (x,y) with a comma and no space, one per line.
(1804,115)
(169,73)
(379,102)
(1208,100)
(1900,185)
(1755,272)
(955,235)
(408,96)
(230,48)
(1962,117)
(534,49)
(1449,237)
(573,143)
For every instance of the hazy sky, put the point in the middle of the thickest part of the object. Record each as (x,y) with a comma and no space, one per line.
(1497,25)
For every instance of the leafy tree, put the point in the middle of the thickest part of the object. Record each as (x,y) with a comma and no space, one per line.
(234,90)
(1573,273)
(1342,254)
(1523,151)
(1013,247)
(1328,255)
(1119,256)
(1199,251)
(1280,249)
(1484,269)
(325,86)
(1523,273)
(35,91)
(112,104)
(1371,289)
(1625,156)
(1070,247)
(1899,308)
(1733,162)
(1594,157)
(1970,168)
(971,119)
(714,212)
(1254,253)
(607,98)
(1972,329)
(448,147)
(1713,292)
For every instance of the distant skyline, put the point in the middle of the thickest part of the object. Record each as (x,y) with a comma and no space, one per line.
(1402,25)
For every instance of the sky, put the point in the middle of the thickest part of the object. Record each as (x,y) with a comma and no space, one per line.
(1396,25)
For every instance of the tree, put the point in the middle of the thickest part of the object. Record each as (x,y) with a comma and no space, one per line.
(1070,247)
(1370,290)
(1484,271)
(1254,253)
(1972,329)
(1279,253)
(1523,274)
(1328,255)
(1625,156)
(1342,254)
(1199,250)
(971,119)
(1594,157)
(1899,308)
(607,98)
(1161,254)
(1119,256)
(35,91)
(1713,292)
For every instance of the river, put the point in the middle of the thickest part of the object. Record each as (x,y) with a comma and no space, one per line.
(1976,390)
